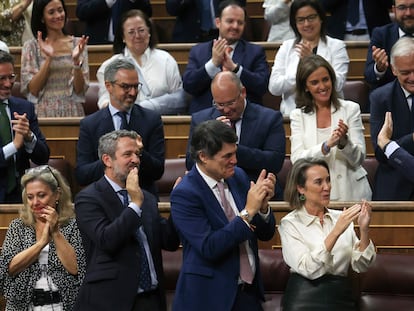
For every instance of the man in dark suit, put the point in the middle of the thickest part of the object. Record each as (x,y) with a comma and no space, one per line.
(261,139)
(371,14)
(398,158)
(102,16)
(194,22)
(121,81)
(219,214)
(227,53)
(377,69)
(21,139)
(397,98)
(123,233)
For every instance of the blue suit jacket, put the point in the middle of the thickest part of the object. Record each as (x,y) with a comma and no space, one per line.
(254,76)
(262,142)
(40,154)
(112,252)
(209,275)
(97,16)
(145,122)
(376,14)
(402,161)
(390,183)
(382,37)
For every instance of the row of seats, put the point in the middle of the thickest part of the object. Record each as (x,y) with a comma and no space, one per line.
(355,90)
(385,286)
(175,168)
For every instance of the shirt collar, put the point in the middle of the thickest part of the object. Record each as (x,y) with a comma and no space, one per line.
(307,218)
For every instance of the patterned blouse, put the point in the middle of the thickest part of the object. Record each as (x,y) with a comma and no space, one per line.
(18,290)
(10,32)
(58,97)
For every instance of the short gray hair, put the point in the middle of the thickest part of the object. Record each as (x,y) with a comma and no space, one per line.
(116,65)
(403,47)
(109,141)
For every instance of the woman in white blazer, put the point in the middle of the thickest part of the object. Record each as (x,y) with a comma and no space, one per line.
(307,19)
(326,127)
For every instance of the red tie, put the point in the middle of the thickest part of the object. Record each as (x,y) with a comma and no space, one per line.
(246,272)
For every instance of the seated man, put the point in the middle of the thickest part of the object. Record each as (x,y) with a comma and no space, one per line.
(227,53)
(121,81)
(261,139)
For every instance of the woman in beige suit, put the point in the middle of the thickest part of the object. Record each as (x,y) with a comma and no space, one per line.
(324,126)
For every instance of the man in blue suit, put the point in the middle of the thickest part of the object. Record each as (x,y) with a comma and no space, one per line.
(377,69)
(261,139)
(398,158)
(397,98)
(219,214)
(102,16)
(121,81)
(25,141)
(123,233)
(227,53)
(194,22)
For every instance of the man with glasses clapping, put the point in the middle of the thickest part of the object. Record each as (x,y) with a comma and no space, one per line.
(20,137)
(261,136)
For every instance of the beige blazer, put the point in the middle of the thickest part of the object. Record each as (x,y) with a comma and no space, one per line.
(348,178)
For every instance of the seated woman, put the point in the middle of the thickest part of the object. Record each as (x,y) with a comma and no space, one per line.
(329,128)
(319,244)
(54,72)
(158,71)
(12,21)
(42,260)
(308,20)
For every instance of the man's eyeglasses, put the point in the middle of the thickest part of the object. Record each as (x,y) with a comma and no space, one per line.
(40,170)
(403,8)
(128,87)
(12,77)
(310,18)
(221,106)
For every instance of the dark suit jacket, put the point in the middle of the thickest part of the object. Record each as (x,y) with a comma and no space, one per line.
(187,24)
(390,183)
(40,154)
(262,143)
(376,14)
(145,122)
(112,252)
(209,275)
(402,161)
(382,37)
(97,16)
(254,76)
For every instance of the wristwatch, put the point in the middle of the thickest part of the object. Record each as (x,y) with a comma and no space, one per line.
(244,214)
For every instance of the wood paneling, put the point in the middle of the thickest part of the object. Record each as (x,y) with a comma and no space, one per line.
(391,229)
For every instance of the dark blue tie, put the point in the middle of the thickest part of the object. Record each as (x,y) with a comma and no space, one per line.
(144,270)
(124,120)
(6,137)
(115,14)
(353,12)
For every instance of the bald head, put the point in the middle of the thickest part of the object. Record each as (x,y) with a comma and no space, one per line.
(223,80)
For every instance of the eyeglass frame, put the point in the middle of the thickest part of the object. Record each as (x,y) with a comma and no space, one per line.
(310,18)
(221,106)
(42,169)
(128,87)
(12,77)
(403,8)
(140,32)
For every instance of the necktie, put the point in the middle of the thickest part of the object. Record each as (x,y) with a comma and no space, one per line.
(115,15)
(246,272)
(124,120)
(233,124)
(144,271)
(353,12)
(6,137)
